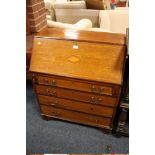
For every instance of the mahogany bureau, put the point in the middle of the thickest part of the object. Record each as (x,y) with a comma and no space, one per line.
(77,75)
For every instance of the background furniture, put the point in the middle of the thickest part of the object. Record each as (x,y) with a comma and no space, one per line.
(123,116)
(72,16)
(115,21)
(123,120)
(69,5)
(95,4)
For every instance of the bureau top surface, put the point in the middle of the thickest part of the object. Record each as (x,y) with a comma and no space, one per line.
(93,61)
(82,35)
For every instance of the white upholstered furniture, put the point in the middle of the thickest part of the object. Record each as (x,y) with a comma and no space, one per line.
(80,25)
(114,20)
(69,5)
(74,15)
(69,13)
(52,5)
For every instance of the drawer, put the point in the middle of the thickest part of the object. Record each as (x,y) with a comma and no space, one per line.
(75,105)
(75,116)
(75,85)
(76,95)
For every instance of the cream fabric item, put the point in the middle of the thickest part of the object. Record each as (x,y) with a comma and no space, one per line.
(83,23)
(48,17)
(72,16)
(80,25)
(49,9)
(107,4)
(96,29)
(114,20)
(69,5)
(48,4)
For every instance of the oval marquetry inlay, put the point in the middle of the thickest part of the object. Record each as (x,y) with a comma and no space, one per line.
(73,59)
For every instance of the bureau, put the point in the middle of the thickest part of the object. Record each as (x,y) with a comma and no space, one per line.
(77,75)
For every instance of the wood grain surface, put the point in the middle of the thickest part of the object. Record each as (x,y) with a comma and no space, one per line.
(75,116)
(98,62)
(76,106)
(81,35)
(76,85)
(76,95)
(78,75)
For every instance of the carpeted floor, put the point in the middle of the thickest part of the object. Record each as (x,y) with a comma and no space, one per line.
(62,137)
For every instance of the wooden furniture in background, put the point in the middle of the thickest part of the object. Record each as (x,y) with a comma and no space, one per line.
(122,127)
(123,120)
(78,75)
(95,4)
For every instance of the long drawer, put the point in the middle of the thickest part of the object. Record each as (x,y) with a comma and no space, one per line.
(76,95)
(75,116)
(99,89)
(75,105)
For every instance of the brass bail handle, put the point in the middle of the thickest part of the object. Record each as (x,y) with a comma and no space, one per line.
(53,83)
(54,103)
(46,81)
(55,113)
(96,100)
(95,90)
(53,92)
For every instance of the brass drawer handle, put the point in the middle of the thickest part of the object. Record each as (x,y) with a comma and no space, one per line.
(53,83)
(101,90)
(95,101)
(96,90)
(99,100)
(34,78)
(92,100)
(93,89)
(54,103)
(53,93)
(46,81)
(97,121)
(55,114)
(93,120)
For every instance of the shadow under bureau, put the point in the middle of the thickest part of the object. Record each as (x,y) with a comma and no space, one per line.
(77,75)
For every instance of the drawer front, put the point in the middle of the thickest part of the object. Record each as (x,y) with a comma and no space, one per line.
(75,105)
(76,95)
(75,116)
(75,85)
